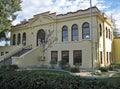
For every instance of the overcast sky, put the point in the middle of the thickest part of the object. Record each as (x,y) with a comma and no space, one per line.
(32,7)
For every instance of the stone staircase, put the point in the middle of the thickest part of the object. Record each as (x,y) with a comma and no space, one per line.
(8,60)
(23,51)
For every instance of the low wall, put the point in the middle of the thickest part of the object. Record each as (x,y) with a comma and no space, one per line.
(11,50)
(31,58)
(116,50)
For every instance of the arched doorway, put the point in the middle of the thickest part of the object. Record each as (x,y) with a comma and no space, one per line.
(40,36)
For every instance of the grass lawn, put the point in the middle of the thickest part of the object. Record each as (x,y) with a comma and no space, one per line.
(116,75)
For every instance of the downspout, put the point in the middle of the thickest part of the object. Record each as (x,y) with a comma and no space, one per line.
(97,43)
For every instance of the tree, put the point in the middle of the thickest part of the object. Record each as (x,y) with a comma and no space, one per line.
(8,9)
(116,32)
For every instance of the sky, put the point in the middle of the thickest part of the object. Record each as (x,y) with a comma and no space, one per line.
(33,7)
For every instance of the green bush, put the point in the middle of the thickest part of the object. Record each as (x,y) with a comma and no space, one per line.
(103,69)
(64,65)
(111,67)
(46,79)
(13,67)
(9,67)
(3,67)
(114,66)
(97,72)
(75,69)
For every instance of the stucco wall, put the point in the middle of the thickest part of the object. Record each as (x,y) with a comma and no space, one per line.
(31,58)
(54,23)
(116,50)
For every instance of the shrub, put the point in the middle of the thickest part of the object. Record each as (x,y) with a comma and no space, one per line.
(111,67)
(13,67)
(64,65)
(103,69)
(114,66)
(9,67)
(75,69)
(98,72)
(47,79)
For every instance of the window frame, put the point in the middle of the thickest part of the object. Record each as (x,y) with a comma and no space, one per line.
(100,26)
(77,57)
(14,39)
(64,36)
(64,59)
(18,39)
(84,34)
(101,57)
(74,28)
(54,57)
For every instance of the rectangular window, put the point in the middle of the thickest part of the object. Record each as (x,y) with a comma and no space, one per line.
(101,59)
(107,57)
(110,60)
(65,57)
(109,34)
(77,57)
(54,57)
(65,36)
(75,35)
(100,30)
(86,33)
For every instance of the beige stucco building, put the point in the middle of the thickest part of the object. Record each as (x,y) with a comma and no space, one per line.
(48,37)
(116,50)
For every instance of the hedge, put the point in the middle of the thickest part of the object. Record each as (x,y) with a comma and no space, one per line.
(44,79)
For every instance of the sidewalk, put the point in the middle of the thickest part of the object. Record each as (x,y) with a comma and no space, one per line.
(90,75)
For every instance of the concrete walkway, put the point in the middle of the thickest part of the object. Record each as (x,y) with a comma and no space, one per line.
(90,75)
(83,74)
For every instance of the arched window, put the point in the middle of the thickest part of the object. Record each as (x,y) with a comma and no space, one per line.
(100,30)
(85,31)
(24,39)
(40,36)
(64,33)
(14,39)
(18,39)
(74,32)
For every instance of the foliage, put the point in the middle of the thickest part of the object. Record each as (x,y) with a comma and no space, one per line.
(53,64)
(2,35)
(46,79)
(98,72)
(8,9)
(114,66)
(116,75)
(64,65)
(103,69)
(8,67)
(75,69)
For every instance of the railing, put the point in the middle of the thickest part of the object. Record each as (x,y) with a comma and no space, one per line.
(12,52)
(27,47)
(32,57)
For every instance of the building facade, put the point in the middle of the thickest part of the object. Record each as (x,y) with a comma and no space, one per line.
(65,37)
(116,50)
